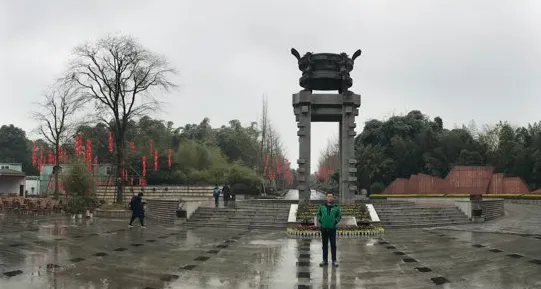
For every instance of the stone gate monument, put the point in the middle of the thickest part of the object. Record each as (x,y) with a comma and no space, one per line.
(326,72)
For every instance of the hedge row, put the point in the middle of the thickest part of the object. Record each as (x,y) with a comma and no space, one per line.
(504,196)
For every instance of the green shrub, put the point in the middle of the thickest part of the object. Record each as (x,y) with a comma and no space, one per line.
(377,188)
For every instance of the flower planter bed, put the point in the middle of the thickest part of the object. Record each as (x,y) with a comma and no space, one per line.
(313,231)
(307,212)
(310,230)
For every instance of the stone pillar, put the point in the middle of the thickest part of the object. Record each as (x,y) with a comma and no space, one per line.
(348,169)
(303,116)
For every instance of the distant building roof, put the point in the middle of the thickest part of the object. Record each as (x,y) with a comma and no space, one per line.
(11,173)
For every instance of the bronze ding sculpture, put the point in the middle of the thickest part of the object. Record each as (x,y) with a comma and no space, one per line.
(325,71)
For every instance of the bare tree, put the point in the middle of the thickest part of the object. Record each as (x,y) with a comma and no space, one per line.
(263,127)
(56,120)
(329,158)
(117,74)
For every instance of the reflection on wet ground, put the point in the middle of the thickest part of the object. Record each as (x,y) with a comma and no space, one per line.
(105,254)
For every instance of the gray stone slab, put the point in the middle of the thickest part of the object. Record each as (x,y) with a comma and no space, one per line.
(60,255)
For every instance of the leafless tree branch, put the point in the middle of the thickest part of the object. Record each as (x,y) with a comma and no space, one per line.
(117,75)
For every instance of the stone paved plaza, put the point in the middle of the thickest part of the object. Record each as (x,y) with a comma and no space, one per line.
(57,253)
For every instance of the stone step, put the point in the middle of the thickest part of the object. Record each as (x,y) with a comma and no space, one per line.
(422,220)
(210,209)
(233,225)
(418,215)
(446,220)
(279,226)
(243,213)
(418,208)
(420,225)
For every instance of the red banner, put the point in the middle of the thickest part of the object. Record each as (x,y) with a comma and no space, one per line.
(89,154)
(110,141)
(40,160)
(144,165)
(169,158)
(34,156)
(50,157)
(155,160)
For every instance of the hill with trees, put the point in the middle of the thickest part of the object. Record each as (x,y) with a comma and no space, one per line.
(414,143)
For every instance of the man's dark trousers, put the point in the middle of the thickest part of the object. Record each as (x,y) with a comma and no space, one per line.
(140,216)
(328,235)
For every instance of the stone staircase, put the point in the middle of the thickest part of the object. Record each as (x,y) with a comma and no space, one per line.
(402,214)
(249,216)
(161,211)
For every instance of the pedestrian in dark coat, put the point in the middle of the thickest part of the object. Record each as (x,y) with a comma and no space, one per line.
(138,210)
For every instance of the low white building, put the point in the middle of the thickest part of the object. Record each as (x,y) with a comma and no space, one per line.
(32,186)
(12,179)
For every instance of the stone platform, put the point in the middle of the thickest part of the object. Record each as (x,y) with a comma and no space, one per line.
(105,254)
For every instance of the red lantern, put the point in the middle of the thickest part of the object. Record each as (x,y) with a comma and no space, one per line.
(151,146)
(169,158)
(110,141)
(155,160)
(132,147)
(144,165)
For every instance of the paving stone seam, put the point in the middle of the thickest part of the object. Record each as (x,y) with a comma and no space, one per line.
(109,232)
(495,250)
(437,280)
(303,244)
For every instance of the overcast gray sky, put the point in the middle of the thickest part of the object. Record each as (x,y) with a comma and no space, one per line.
(462,60)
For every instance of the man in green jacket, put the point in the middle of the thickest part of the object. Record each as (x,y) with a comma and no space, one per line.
(329,216)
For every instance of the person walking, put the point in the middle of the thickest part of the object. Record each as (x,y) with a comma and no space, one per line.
(227,194)
(216,195)
(138,210)
(329,215)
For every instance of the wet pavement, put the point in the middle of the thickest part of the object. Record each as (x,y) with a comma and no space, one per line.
(520,219)
(105,254)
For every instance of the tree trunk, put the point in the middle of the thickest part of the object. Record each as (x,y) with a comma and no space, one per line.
(56,170)
(119,167)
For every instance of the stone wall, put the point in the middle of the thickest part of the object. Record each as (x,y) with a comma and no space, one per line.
(107,193)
